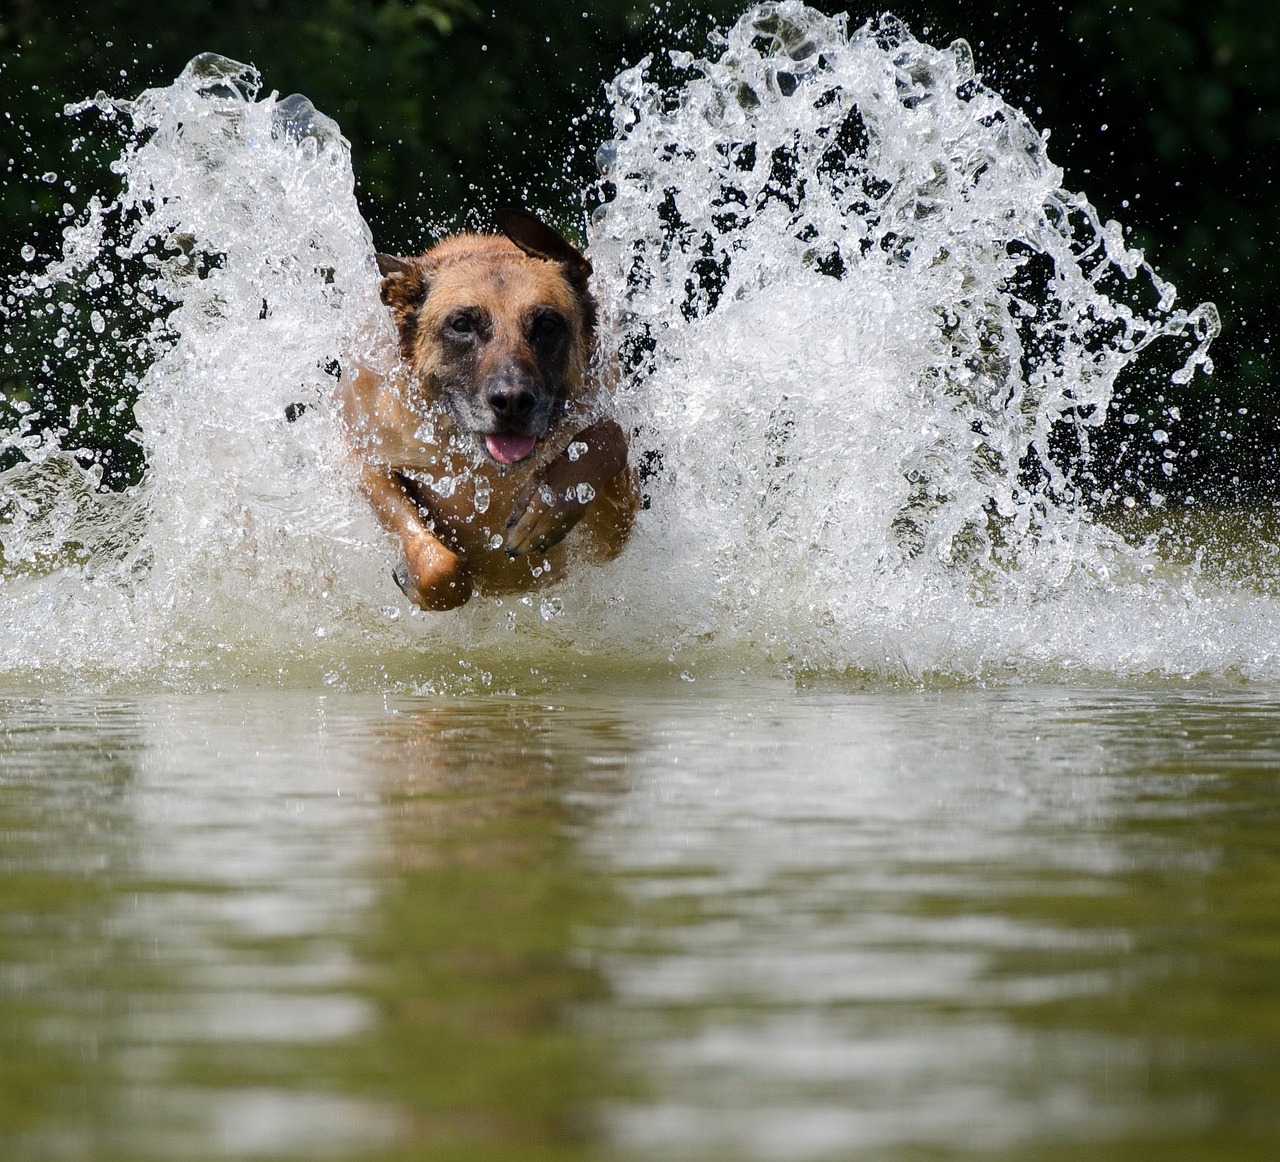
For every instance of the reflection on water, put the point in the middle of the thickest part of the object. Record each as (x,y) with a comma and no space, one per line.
(981,920)
(642,921)
(288,925)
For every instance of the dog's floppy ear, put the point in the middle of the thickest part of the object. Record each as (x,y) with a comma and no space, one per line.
(405,282)
(539,240)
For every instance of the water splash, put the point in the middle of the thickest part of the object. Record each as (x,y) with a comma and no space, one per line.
(861,315)
(238,241)
(864,312)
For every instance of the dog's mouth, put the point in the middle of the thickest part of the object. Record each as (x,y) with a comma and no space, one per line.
(510,449)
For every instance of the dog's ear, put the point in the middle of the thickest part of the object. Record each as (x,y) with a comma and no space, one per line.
(389,264)
(538,240)
(405,282)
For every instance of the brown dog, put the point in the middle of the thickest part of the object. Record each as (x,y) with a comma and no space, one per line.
(492,443)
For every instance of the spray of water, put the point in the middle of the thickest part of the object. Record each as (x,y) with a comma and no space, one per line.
(860,316)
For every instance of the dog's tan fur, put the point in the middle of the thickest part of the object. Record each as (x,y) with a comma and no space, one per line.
(494,332)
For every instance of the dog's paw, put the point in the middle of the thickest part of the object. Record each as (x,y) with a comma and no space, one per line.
(557,498)
(544,514)
(433,578)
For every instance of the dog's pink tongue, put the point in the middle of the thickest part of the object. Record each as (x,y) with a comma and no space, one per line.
(509,449)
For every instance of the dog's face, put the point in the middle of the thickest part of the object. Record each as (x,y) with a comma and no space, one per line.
(497,329)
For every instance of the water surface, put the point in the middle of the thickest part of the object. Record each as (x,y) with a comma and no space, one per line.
(658,919)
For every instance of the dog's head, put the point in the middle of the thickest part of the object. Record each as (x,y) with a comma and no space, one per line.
(497,328)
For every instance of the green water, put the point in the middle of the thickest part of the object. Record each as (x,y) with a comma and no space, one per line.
(650,919)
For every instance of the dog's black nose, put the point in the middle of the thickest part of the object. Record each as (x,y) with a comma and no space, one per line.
(511,401)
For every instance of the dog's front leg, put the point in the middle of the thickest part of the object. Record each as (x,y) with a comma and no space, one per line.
(556,499)
(431,575)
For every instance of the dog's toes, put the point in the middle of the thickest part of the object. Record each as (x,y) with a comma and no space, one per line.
(525,546)
(400,575)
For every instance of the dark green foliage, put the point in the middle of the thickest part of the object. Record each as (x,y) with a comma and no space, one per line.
(1165,112)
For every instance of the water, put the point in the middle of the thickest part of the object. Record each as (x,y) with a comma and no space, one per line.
(641,920)
(882,800)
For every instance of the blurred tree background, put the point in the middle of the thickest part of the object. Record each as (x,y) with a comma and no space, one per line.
(1166,113)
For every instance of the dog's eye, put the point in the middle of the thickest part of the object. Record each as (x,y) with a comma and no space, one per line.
(544,326)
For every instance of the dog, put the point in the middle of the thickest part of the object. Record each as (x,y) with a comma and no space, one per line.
(492,442)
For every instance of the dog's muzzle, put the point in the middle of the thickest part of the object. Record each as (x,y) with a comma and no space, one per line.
(519,409)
